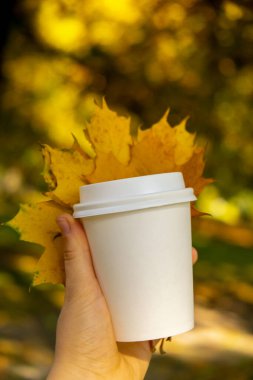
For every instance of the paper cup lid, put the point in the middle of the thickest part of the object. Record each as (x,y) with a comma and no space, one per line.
(132,194)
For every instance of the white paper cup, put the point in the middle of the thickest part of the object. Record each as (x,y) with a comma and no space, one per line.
(139,231)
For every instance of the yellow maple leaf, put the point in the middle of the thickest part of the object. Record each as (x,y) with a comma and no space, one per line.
(60,180)
(114,154)
(36,223)
(108,168)
(154,149)
(109,132)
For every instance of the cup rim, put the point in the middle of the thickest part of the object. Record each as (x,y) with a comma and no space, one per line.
(135,193)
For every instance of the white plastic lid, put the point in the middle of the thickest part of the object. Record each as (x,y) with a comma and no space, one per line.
(132,194)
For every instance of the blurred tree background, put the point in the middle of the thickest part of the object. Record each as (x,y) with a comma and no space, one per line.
(193,56)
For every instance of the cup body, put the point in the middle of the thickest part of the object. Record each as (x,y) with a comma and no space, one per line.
(143,262)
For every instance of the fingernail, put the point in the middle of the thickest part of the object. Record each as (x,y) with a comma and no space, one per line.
(64,225)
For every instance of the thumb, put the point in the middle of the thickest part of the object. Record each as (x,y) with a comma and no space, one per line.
(79,270)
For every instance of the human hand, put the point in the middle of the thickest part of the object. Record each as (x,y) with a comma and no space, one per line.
(85,343)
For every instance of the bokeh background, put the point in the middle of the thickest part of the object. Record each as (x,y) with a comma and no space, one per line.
(194,56)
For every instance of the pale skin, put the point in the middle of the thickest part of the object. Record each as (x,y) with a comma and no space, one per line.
(86,348)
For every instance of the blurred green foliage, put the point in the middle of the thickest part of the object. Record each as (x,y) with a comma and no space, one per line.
(194,56)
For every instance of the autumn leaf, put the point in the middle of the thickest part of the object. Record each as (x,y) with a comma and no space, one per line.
(107,152)
(193,170)
(109,132)
(108,168)
(37,224)
(60,180)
